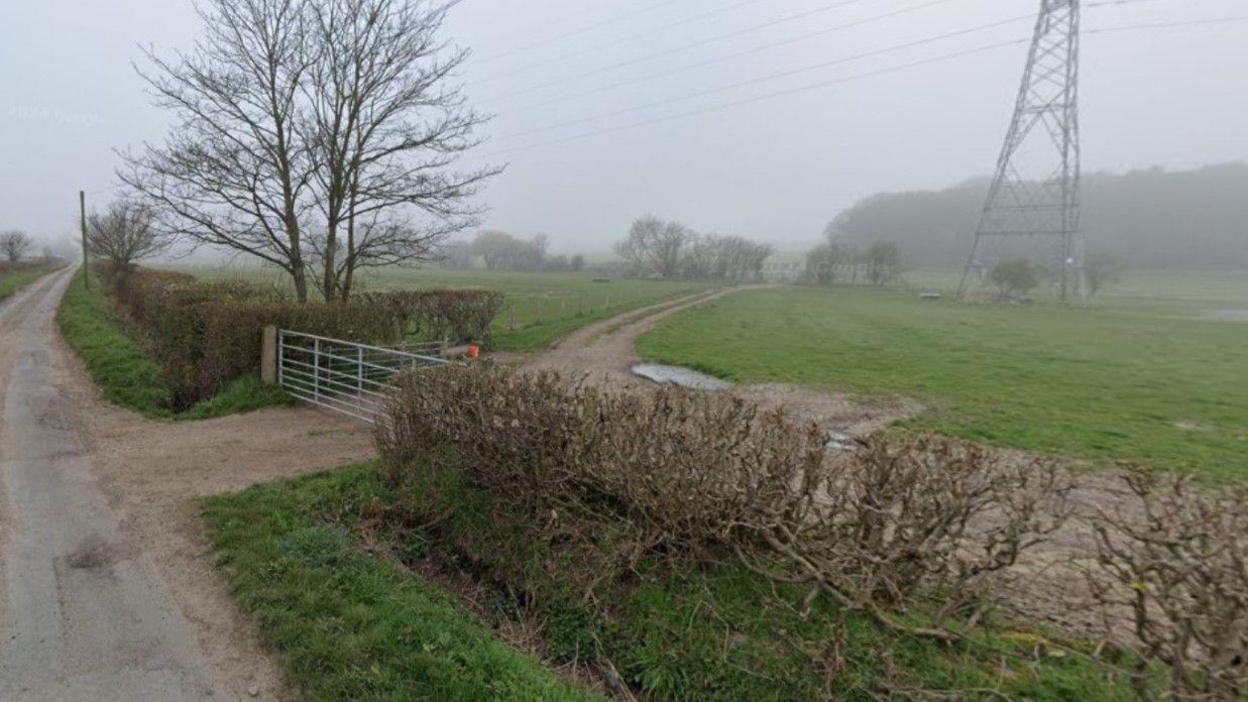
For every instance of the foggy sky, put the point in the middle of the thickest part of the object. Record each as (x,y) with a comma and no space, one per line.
(777,169)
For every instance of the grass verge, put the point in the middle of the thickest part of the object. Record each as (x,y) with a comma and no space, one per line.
(120,366)
(1118,381)
(349,624)
(13,280)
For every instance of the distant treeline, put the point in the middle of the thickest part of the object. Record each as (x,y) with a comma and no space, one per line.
(1145,219)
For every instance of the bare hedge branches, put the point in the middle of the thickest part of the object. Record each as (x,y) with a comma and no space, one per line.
(1177,562)
(14,244)
(124,234)
(712,476)
(902,521)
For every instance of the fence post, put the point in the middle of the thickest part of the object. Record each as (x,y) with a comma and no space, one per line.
(268,356)
(316,374)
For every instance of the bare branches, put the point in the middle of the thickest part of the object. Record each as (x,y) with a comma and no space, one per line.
(1177,566)
(932,524)
(124,234)
(232,173)
(898,522)
(386,127)
(662,249)
(312,131)
(655,247)
(14,244)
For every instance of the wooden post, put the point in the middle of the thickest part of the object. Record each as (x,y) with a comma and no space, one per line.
(82,221)
(268,356)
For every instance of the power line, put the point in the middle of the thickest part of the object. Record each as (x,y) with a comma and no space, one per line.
(642,35)
(1163,25)
(774,76)
(715,39)
(577,32)
(771,95)
(846,79)
(720,59)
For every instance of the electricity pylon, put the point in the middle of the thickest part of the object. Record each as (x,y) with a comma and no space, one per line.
(1035,195)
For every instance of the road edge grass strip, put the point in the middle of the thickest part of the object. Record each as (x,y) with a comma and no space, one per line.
(346,624)
(12,282)
(119,365)
(115,360)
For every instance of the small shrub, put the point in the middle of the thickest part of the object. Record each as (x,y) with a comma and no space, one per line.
(1014,279)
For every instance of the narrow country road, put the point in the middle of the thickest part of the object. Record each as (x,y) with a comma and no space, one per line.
(82,618)
(107,585)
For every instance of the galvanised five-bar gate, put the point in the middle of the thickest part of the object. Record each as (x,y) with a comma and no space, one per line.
(343,376)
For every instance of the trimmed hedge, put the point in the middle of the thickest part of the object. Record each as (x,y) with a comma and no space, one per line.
(204,335)
(435,315)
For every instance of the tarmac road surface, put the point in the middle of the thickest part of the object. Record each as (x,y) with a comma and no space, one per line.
(81,615)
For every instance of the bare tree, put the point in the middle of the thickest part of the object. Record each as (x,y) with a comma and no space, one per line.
(124,233)
(233,171)
(386,127)
(14,244)
(655,247)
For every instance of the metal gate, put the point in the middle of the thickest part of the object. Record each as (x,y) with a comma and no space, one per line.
(343,376)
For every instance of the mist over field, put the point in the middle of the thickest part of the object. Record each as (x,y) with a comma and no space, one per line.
(626,350)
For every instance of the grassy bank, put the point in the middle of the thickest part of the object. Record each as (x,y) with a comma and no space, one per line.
(1146,381)
(319,562)
(348,625)
(120,366)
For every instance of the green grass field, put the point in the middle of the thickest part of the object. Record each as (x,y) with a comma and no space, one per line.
(1138,376)
(120,366)
(539,307)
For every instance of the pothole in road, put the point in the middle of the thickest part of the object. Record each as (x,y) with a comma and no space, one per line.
(92,553)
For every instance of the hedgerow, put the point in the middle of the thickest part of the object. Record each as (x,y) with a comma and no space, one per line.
(583,493)
(932,524)
(204,335)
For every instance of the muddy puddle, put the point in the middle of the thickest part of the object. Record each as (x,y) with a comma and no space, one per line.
(676,375)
